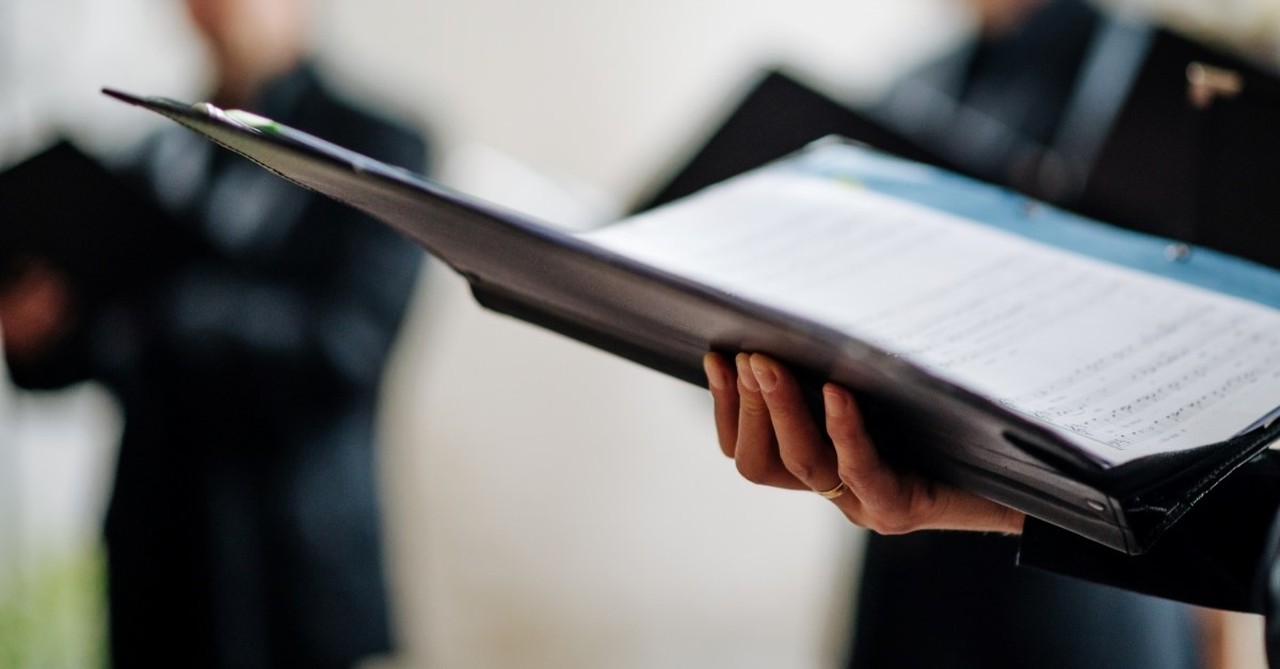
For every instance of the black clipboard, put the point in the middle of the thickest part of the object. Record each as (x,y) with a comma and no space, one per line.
(520,267)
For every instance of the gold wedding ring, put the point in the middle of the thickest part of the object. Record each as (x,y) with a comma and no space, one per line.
(834,492)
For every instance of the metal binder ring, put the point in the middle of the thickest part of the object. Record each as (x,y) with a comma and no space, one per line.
(834,492)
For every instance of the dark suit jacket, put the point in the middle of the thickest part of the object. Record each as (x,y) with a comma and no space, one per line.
(243,526)
(1225,553)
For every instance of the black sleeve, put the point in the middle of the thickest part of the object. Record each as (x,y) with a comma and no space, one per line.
(66,363)
(103,335)
(1213,557)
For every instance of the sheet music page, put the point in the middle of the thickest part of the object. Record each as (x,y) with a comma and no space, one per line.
(1131,363)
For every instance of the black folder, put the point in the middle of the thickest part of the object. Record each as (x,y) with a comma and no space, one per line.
(1203,175)
(63,208)
(533,272)
(777,116)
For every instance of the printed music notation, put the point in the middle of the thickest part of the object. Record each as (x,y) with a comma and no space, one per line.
(1129,363)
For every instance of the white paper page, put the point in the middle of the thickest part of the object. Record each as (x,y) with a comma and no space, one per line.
(1133,364)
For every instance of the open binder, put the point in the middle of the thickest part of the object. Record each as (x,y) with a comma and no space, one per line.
(520,267)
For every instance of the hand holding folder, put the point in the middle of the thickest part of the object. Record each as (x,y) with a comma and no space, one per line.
(764,424)
(1065,387)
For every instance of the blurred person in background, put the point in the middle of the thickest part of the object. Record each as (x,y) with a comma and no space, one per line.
(1055,99)
(1013,106)
(243,527)
(995,107)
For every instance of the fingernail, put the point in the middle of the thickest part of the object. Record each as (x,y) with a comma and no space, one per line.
(765,377)
(745,375)
(715,374)
(834,401)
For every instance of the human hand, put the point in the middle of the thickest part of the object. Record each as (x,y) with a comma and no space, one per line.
(998,18)
(35,311)
(765,426)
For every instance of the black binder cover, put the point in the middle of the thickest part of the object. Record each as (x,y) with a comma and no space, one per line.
(63,208)
(533,272)
(778,116)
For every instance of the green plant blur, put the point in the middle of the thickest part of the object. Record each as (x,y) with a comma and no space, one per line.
(53,613)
